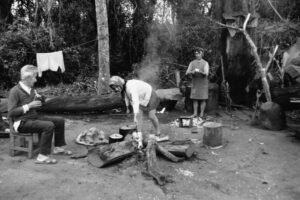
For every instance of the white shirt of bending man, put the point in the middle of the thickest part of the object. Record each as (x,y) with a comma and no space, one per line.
(137,93)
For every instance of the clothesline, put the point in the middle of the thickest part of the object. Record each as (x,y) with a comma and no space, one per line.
(61,50)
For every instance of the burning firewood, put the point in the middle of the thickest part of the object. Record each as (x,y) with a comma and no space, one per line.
(104,155)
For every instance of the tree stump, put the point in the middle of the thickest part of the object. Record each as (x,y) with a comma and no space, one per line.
(212,136)
(271,116)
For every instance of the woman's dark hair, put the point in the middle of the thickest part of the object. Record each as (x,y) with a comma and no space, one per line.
(198,50)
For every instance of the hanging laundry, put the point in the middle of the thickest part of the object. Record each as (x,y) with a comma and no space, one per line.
(52,61)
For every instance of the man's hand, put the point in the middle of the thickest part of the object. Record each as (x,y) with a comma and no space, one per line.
(35,104)
(127,110)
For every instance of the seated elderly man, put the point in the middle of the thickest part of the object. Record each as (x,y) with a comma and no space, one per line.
(141,96)
(23,102)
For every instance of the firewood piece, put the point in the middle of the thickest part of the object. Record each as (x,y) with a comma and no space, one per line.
(212,136)
(152,168)
(182,150)
(168,155)
(109,154)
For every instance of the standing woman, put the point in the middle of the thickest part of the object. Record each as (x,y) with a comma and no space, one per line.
(199,70)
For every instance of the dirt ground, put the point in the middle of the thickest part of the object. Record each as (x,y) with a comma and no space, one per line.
(253,164)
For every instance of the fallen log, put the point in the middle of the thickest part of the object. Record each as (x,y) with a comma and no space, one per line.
(82,103)
(96,103)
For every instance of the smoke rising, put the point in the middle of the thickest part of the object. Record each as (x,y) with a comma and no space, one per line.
(150,65)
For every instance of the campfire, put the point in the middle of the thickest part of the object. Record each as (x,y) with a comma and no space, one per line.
(103,154)
(147,148)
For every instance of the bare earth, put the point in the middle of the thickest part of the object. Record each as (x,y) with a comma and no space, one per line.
(253,164)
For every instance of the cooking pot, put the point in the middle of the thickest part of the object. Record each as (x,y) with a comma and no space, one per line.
(115,138)
(128,129)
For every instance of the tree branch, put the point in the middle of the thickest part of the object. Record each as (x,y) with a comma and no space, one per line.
(271,58)
(255,54)
(275,10)
(246,21)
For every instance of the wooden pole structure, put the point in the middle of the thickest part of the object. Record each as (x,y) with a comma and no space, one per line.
(253,47)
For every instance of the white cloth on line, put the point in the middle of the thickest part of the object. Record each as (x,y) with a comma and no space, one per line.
(52,61)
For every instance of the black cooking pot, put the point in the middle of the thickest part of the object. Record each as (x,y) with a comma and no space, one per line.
(115,138)
(128,129)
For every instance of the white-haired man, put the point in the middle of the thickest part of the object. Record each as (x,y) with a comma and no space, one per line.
(23,101)
(141,96)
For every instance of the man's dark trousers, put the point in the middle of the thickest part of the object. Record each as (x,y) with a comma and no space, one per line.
(45,126)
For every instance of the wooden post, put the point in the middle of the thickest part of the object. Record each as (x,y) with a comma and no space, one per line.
(103,46)
(212,136)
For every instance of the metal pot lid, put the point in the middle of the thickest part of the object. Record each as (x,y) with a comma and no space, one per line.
(116,136)
(128,127)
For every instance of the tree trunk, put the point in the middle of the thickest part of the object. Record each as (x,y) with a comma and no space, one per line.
(103,46)
(235,50)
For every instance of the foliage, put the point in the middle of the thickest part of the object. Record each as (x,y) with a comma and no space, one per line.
(137,38)
(81,87)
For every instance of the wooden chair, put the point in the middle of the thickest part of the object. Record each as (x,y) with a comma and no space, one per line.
(23,142)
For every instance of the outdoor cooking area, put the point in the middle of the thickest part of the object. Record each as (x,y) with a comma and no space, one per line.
(149,100)
(220,157)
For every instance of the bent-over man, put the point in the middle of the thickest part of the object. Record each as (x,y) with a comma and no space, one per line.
(141,96)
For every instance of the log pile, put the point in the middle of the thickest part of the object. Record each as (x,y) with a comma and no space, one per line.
(176,151)
(152,166)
